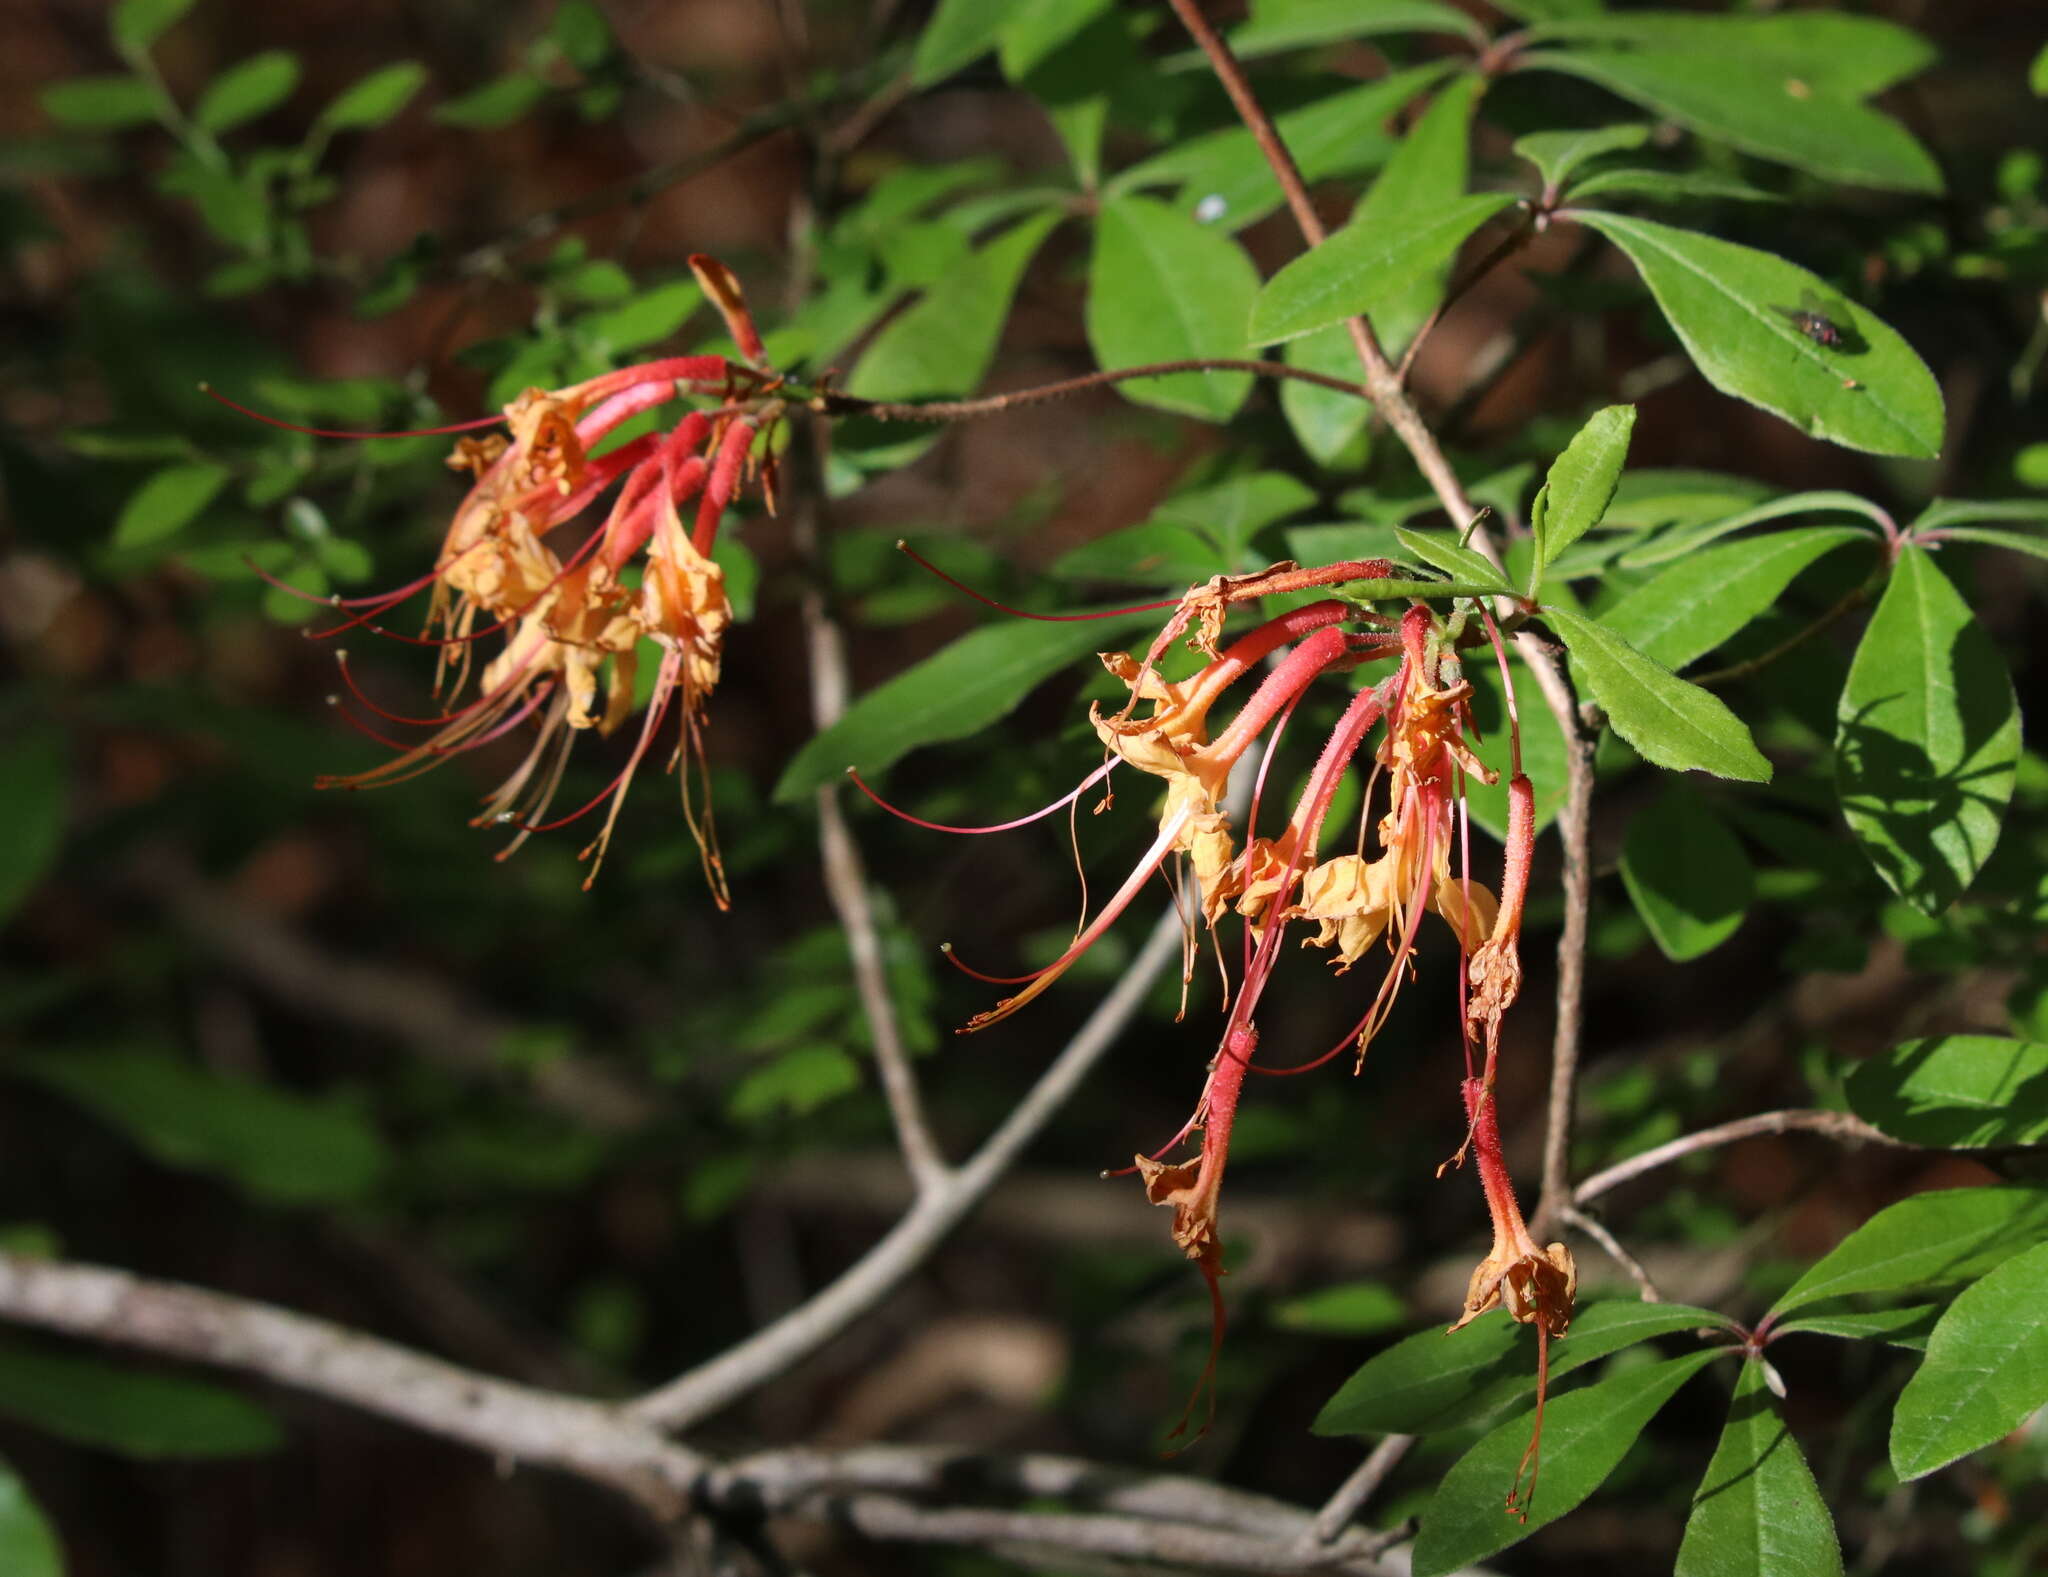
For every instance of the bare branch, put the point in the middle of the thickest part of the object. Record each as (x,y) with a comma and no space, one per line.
(1835,1125)
(1572,1216)
(1343,1507)
(1575,834)
(831,404)
(594,1439)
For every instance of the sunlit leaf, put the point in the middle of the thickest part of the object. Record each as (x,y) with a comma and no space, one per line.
(1955,1092)
(137,1412)
(247,89)
(1985,1372)
(1758,1511)
(1929,1240)
(1687,874)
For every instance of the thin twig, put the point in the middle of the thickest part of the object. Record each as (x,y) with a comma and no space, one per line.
(995,404)
(1511,243)
(1595,1229)
(846,876)
(1835,1125)
(1575,834)
(1339,1511)
(1852,600)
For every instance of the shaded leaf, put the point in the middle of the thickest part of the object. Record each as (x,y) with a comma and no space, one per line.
(137,24)
(1358,1308)
(280,1147)
(1687,874)
(1361,267)
(957,691)
(1581,482)
(1771,114)
(28,1544)
(960,32)
(1944,513)
(1728,305)
(1585,1436)
(944,343)
(167,503)
(1192,536)
(1985,1372)
(1907,1327)
(1851,56)
(794,1084)
(1928,738)
(1557,153)
(376,98)
(1758,1512)
(1441,550)
(1163,288)
(2033,547)
(1706,597)
(100,103)
(1290,24)
(33,784)
(1955,1092)
(648,318)
(1330,425)
(1436,1380)
(1669,722)
(496,103)
(1543,744)
(247,89)
(1033,30)
(1670,186)
(1929,1240)
(1686,539)
(137,1412)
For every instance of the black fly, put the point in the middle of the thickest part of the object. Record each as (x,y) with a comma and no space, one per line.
(1809,318)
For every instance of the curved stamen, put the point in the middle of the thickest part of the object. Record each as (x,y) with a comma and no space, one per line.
(212,393)
(1061,803)
(953,958)
(929,567)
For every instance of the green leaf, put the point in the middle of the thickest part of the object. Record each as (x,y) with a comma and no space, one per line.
(1557,153)
(1773,115)
(1580,484)
(1437,1380)
(1225,179)
(1358,1308)
(1292,24)
(167,503)
(1758,1512)
(583,35)
(1944,513)
(957,691)
(1928,1240)
(944,343)
(137,1412)
(1330,425)
(1192,536)
(1670,186)
(33,790)
(1706,597)
(1654,496)
(1361,267)
(137,24)
(647,319)
(2037,74)
(1928,738)
(1671,723)
(960,32)
(1687,538)
(28,1544)
(1985,1372)
(1687,874)
(247,89)
(1441,549)
(375,99)
(1543,744)
(2033,547)
(496,103)
(795,1084)
(1955,1092)
(1034,30)
(280,1147)
(1850,56)
(101,103)
(1728,304)
(1163,288)
(1585,1436)
(1907,1327)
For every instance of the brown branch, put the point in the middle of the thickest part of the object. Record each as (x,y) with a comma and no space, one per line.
(1852,600)
(831,404)
(1510,244)
(1835,1125)
(1339,1511)
(1575,835)
(1576,1218)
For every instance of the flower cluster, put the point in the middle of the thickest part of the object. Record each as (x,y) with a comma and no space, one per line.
(579,597)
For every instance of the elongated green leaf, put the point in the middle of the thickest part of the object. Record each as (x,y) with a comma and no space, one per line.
(1687,874)
(498,102)
(167,503)
(648,319)
(1929,1240)
(1357,1308)
(1688,537)
(1290,24)
(376,98)
(32,796)
(1163,288)
(1777,117)
(944,343)
(1330,425)
(1670,723)
(137,24)
(1955,1092)
(1944,513)
(28,1544)
(247,89)
(1557,153)
(1670,186)
(954,692)
(1433,1381)
(2033,547)
(280,1147)
(1907,1327)
(1585,1436)
(1758,1512)
(1850,56)
(1928,738)
(1986,1369)
(1442,550)
(960,32)
(1655,496)
(100,103)
(1193,535)
(1360,268)
(1034,30)
(1706,597)
(1581,482)
(136,1412)
(1728,304)
(1226,181)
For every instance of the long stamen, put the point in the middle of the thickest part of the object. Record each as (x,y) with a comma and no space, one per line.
(212,393)
(929,567)
(1093,778)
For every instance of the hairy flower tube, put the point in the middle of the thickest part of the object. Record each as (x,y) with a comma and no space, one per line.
(578,597)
